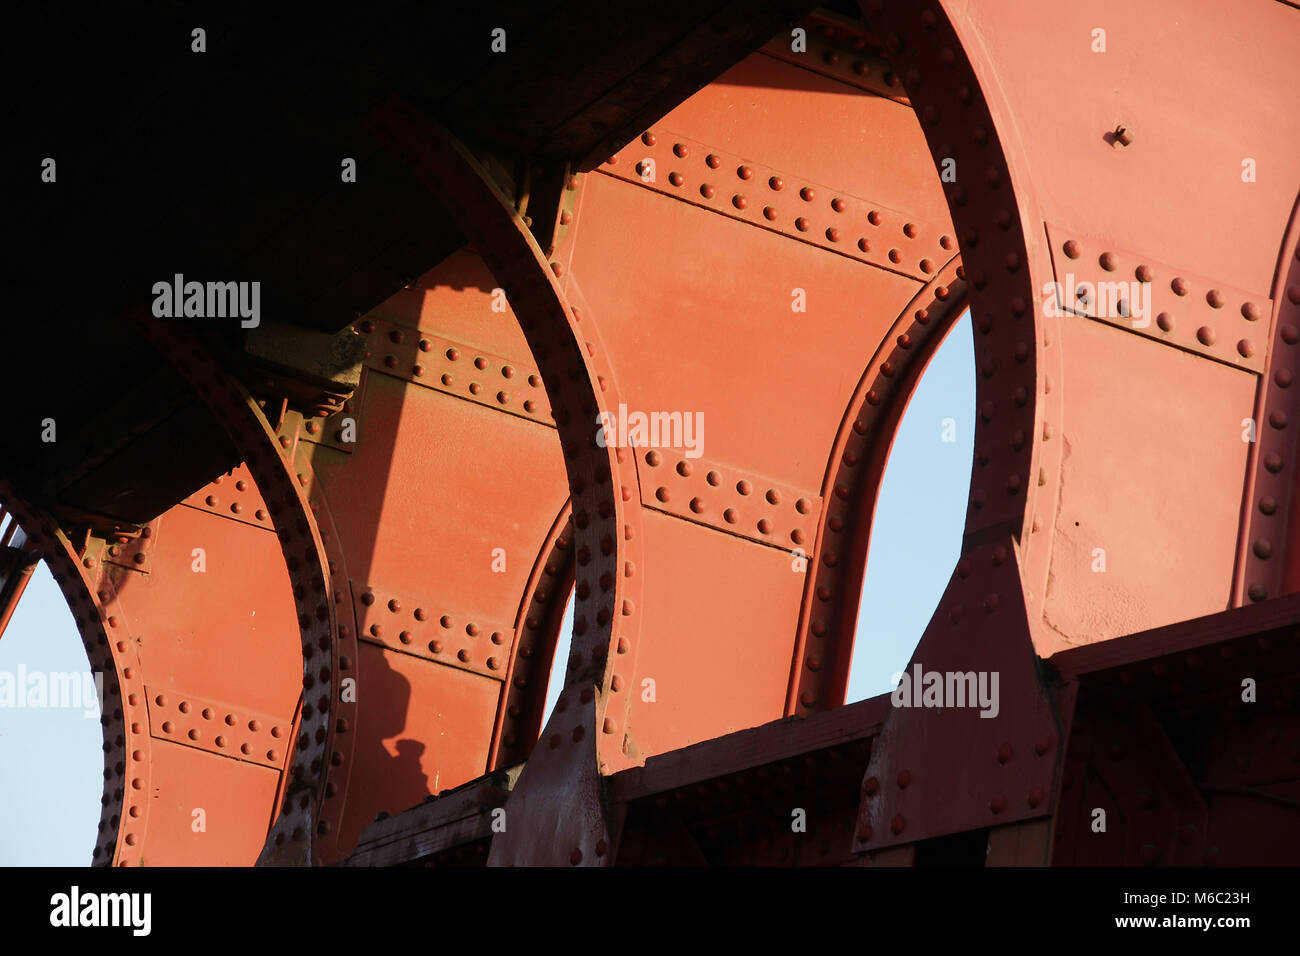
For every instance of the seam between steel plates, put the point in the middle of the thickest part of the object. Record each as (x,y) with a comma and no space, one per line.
(438,630)
(823,59)
(760,186)
(1174,293)
(440,356)
(702,509)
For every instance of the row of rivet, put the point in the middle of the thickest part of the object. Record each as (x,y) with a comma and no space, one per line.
(840,55)
(606,537)
(1192,312)
(455,640)
(756,194)
(456,369)
(211,726)
(346,707)
(235,496)
(1274,503)
(721,497)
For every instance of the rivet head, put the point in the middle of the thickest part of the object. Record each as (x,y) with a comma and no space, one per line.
(1205,335)
(998,803)
(904,778)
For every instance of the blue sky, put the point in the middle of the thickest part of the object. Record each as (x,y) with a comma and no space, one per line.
(51,761)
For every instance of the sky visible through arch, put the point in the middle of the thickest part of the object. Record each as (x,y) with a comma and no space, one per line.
(51,759)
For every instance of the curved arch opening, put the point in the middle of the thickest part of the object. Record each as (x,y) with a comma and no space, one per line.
(51,742)
(920,514)
(559,663)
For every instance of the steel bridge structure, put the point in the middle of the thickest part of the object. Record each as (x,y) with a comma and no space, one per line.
(627,304)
